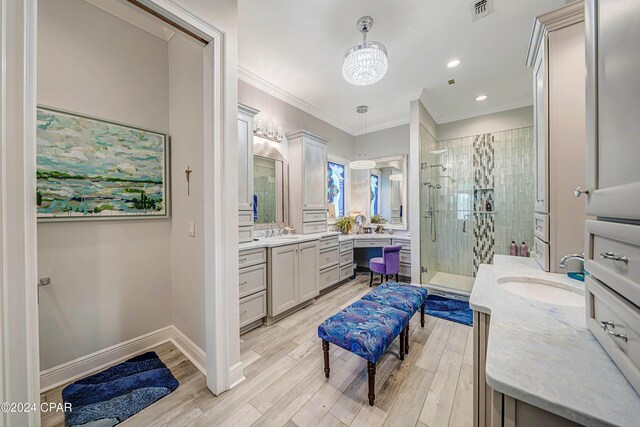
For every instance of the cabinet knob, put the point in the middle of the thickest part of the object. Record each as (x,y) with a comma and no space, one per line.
(579,192)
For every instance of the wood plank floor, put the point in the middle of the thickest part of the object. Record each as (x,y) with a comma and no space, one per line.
(285,383)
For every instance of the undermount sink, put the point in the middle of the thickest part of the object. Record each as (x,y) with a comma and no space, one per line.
(542,290)
(285,237)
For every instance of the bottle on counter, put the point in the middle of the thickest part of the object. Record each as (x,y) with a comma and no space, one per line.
(513,249)
(523,249)
(489,206)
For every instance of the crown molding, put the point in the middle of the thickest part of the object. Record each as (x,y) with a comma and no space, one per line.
(385,125)
(271,89)
(495,110)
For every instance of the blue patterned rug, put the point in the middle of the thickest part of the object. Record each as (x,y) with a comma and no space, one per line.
(449,309)
(115,394)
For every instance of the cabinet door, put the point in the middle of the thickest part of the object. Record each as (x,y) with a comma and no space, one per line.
(308,271)
(540,135)
(314,158)
(613,108)
(284,279)
(245,162)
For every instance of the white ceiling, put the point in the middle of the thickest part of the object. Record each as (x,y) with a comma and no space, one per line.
(294,49)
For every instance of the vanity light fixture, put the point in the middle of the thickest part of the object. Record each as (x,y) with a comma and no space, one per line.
(362,164)
(453,63)
(481,98)
(268,132)
(366,62)
(395,177)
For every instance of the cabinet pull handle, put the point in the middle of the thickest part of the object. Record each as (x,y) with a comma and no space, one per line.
(243,259)
(613,257)
(539,227)
(604,325)
(579,191)
(243,283)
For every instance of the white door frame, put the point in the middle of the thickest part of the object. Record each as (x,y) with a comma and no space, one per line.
(19,349)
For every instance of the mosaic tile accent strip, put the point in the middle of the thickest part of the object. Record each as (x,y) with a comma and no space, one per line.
(484,239)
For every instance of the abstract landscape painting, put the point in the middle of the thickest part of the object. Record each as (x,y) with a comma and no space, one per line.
(89,168)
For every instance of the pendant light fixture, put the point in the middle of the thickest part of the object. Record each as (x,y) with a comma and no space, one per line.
(363,164)
(366,62)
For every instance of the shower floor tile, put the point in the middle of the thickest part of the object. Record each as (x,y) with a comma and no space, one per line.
(453,282)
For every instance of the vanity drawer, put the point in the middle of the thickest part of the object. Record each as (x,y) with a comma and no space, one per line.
(346,246)
(541,253)
(314,227)
(245,233)
(613,256)
(313,216)
(371,243)
(406,244)
(405,270)
(250,257)
(329,257)
(329,276)
(252,308)
(329,242)
(346,257)
(252,279)
(541,226)
(346,271)
(245,218)
(615,323)
(405,257)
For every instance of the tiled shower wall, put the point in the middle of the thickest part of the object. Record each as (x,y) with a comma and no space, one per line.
(497,167)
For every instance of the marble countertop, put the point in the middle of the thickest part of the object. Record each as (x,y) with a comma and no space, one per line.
(396,235)
(284,240)
(544,355)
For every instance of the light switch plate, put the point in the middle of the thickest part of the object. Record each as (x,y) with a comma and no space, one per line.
(191,228)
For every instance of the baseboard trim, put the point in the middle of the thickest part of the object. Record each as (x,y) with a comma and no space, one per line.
(94,362)
(236,374)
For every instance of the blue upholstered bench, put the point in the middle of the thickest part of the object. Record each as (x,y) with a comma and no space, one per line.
(369,326)
(367,329)
(407,298)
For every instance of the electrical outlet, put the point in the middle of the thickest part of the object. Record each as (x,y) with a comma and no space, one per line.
(44,281)
(191,229)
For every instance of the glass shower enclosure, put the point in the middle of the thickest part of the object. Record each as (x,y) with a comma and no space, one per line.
(476,198)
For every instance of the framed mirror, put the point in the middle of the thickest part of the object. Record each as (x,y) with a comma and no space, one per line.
(270,204)
(388,192)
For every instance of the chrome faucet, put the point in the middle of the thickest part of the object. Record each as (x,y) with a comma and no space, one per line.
(564,259)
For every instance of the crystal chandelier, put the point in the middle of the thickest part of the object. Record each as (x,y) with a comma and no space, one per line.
(366,62)
(363,164)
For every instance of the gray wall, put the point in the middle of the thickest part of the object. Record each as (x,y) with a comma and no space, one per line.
(384,143)
(110,279)
(292,118)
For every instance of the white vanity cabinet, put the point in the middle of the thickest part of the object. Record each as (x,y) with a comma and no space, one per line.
(252,286)
(613,109)
(245,172)
(293,276)
(307,182)
(557,56)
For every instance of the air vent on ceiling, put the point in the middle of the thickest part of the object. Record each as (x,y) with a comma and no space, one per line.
(452,82)
(481,8)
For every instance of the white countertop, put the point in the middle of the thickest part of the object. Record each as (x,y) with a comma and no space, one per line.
(299,238)
(543,354)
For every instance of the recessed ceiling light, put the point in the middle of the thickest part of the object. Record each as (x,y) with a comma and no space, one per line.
(481,98)
(453,63)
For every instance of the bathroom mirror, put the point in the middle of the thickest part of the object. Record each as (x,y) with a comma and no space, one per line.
(269,186)
(388,192)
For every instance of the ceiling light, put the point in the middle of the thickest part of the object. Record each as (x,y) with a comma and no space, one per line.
(395,177)
(481,98)
(366,62)
(454,63)
(362,164)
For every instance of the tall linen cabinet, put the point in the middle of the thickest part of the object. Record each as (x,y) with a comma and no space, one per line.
(245,172)
(307,182)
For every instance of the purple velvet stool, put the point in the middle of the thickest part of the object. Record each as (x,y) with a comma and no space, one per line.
(386,265)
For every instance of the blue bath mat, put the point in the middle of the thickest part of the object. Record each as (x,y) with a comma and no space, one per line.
(449,309)
(115,394)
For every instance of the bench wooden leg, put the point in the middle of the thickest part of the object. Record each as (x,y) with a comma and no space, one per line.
(371,369)
(402,341)
(422,315)
(325,350)
(371,279)
(406,342)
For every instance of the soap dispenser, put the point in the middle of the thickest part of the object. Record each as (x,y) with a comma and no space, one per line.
(513,249)
(524,250)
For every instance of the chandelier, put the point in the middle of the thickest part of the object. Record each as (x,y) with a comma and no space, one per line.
(366,62)
(363,164)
